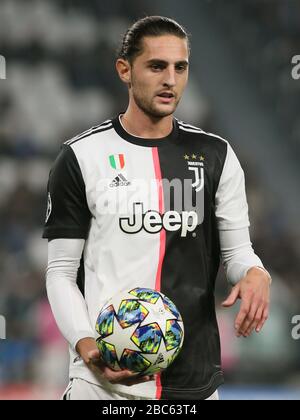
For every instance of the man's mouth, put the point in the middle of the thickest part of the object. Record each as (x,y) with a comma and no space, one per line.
(166,97)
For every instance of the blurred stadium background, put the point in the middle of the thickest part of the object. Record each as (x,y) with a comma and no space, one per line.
(61,80)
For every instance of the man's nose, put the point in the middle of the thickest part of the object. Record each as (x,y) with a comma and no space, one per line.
(170,79)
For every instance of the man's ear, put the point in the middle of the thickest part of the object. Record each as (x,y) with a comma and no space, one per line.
(124,70)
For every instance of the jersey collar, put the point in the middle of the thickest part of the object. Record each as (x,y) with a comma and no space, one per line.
(141,141)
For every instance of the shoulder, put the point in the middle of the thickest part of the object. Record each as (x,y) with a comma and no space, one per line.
(209,141)
(90,133)
(188,128)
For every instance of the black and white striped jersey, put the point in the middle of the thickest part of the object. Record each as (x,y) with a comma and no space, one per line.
(150,211)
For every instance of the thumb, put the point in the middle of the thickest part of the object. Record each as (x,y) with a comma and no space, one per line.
(232,298)
(94,354)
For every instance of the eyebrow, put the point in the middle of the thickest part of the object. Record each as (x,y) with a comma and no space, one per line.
(159,61)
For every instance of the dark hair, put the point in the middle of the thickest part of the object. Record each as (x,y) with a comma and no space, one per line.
(148,26)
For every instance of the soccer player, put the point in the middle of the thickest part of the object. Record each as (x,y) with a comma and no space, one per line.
(145,200)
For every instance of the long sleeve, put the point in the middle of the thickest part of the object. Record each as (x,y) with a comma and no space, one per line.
(237,254)
(68,214)
(231,206)
(67,303)
(231,211)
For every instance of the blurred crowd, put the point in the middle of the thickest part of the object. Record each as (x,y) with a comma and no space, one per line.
(266,35)
(60,81)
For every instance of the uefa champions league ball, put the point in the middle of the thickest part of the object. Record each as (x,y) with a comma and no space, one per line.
(140,330)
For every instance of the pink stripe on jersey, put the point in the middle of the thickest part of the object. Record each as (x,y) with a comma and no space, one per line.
(162,242)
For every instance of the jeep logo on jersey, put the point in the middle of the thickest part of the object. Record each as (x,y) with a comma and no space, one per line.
(117,161)
(153,222)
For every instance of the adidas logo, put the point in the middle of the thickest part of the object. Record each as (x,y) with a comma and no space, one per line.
(119,181)
(160,359)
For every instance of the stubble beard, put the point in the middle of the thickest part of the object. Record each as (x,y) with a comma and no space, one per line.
(149,108)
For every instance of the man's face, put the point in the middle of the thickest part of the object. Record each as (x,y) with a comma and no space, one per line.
(159,75)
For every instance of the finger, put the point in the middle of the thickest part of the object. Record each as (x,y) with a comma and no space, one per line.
(129,379)
(263,320)
(141,380)
(94,354)
(95,361)
(232,298)
(118,376)
(255,322)
(241,316)
(249,319)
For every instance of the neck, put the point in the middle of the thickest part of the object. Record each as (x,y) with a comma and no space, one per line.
(137,123)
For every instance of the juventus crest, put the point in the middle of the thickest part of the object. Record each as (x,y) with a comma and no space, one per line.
(197,167)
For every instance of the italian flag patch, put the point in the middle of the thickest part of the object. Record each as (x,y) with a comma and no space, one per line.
(117,161)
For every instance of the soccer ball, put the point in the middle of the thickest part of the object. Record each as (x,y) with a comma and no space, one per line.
(140,330)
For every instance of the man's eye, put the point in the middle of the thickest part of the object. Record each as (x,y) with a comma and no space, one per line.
(180,68)
(157,67)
